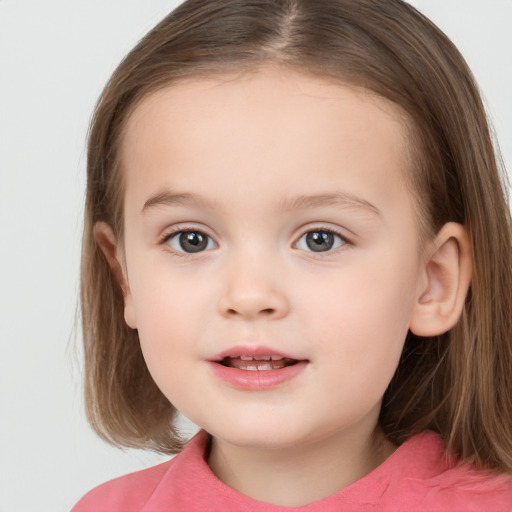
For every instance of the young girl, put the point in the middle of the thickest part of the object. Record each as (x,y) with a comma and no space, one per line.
(296,235)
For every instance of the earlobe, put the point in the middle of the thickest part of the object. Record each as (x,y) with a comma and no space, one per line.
(447,276)
(108,244)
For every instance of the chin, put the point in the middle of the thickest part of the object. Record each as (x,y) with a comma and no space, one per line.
(262,435)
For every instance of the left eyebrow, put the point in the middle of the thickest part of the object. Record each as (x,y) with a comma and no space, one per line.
(341,199)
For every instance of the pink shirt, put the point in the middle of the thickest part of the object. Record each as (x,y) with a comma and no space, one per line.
(417,477)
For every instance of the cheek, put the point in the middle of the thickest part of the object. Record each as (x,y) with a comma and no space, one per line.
(167,315)
(168,339)
(166,297)
(173,312)
(361,315)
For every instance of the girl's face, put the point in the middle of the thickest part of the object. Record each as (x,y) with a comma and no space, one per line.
(267,216)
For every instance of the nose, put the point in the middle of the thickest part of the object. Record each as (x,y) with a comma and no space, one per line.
(253,290)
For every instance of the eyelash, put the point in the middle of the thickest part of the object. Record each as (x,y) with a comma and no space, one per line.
(179,230)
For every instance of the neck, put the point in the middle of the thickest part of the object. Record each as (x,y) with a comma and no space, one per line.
(294,477)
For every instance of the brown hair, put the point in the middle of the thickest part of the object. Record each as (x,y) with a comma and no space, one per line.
(456,384)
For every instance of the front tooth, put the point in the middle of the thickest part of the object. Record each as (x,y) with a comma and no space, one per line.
(265,366)
(276,358)
(246,358)
(250,367)
(262,358)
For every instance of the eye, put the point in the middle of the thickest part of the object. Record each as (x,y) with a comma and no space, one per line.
(320,241)
(190,241)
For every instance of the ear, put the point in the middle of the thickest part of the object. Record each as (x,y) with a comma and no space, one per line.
(445,283)
(109,245)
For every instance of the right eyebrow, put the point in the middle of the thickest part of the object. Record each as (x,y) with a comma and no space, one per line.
(168,198)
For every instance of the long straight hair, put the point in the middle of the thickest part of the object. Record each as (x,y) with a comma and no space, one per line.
(456,384)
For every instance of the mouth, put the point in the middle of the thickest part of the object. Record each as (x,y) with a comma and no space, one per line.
(257,363)
(256,368)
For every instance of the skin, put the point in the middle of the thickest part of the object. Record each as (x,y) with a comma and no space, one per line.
(250,152)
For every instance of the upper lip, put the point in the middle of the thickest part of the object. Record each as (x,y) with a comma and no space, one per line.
(252,351)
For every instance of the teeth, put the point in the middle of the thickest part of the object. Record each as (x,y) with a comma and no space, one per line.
(260,367)
(261,363)
(260,358)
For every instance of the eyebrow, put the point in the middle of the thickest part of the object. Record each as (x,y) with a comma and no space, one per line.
(167,198)
(342,199)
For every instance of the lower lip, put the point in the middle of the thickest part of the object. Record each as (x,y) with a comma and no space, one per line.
(257,380)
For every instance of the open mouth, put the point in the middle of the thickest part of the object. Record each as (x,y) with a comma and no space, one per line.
(259,368)
(257,363)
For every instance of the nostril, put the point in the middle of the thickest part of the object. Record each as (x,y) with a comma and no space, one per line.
(265,312)
(252,304)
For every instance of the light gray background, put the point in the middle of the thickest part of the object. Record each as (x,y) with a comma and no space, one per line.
(55,56)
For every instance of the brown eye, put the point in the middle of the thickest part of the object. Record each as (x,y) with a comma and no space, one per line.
(320,241)
(191,242)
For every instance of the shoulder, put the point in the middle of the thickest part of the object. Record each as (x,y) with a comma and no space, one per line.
(129,492)
(475,489)
(153,488)
(432,480)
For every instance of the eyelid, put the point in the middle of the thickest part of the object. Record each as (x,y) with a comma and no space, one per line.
(170,230)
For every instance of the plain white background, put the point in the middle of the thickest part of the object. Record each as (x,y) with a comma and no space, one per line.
(55,57)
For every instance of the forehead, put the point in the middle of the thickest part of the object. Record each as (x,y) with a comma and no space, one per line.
(275,87)
(271,125)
